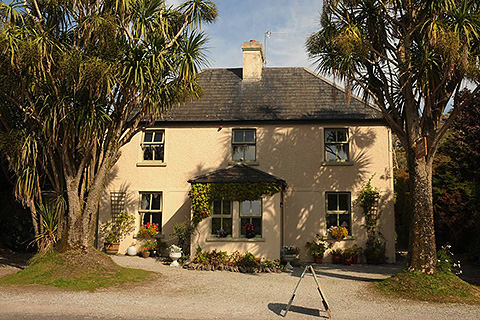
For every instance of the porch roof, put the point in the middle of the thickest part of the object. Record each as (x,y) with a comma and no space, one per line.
(237,173)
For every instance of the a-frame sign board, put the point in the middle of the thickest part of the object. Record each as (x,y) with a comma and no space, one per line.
(322,295)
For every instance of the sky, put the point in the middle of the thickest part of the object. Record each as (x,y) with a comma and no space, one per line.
(242,20)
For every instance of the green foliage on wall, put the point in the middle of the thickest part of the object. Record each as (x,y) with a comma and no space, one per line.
(203,195)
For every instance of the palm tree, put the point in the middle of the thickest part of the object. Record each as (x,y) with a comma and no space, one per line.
(412,59)
(78,79)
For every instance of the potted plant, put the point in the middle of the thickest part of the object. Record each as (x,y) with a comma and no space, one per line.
(337,256)
(347,256)
(318,247)
(221,233)
(249,230)
(175,253)
(146,251)
(356,253)
(337,232)
(152,247)
(289,253)
(116,230)
(148,230)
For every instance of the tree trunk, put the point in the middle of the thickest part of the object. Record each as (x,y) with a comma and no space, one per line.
(422,248)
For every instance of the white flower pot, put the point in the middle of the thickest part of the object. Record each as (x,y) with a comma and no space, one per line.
(289,258)
(132,251)
(175,256)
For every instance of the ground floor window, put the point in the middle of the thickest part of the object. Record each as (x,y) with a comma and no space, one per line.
(151,208)
(222,218)
(251,218)
(339,210)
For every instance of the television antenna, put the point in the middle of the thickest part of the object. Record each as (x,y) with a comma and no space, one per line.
(268,34)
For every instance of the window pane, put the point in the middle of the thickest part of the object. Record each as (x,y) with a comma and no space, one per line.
(238,136)
(243,222)
(148,136)
(344,221)
(158,136)
(237,153)
(227,207)
(157,218)
(245,208)
(331,152)
(148,153)
(145,202)
(331,220)
(330,135)
(216,225)
(147,217)
(332,204)
(156,198)
(342,135)
(158,153)
(217,207)
(257,223)
(343,202)
(256,208)
(342,153)
(249,153)
(250,136)
(227,225)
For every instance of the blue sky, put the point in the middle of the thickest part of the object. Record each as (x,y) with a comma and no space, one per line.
(243,20)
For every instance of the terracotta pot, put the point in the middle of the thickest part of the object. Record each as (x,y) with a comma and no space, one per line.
(318,259)
(337,258)
(347,261)
(145,254)
(111,248)
(355,259)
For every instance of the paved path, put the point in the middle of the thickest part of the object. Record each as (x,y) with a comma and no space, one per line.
(184,294)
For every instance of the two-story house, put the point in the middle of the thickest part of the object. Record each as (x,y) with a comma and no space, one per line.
(255,124)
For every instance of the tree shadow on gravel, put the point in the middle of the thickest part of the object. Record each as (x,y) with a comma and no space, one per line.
(277,308)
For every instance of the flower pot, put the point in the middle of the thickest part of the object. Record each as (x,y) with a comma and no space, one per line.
(132,251)
(355,259)
(250,234)
(145,254)
(175,256)
(347,261)
(337,258)
(289,258)
(111,248)
(318,259)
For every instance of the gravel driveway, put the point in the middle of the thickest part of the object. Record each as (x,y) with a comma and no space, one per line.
(183,294)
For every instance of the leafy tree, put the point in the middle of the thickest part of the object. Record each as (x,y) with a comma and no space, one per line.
(78,79)
(411,58)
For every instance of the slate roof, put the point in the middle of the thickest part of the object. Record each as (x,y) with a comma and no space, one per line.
(237,173)
(281,94)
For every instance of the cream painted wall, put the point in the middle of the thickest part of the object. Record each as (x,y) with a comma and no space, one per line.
(294,153)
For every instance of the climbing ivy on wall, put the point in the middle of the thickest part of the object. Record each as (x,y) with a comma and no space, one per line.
(203,195)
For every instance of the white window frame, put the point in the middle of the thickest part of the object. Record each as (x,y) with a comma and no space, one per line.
(144,145)
(339,212)
(250,216)
(222,216)
(244,143)
(346,143)
(142,212)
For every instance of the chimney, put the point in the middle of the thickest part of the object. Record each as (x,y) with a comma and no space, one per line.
(252,60)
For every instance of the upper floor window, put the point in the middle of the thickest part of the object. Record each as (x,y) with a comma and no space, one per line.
(336,145)
(222,218)
(151,208)
(338,210)
(244,145)
(251,218)
(153,145)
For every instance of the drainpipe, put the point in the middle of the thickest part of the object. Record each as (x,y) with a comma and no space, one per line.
(282,223)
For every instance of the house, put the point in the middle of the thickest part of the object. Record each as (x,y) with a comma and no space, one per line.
(286,127)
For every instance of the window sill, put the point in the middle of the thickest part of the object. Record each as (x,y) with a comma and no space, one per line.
(327,238)
(248,163)
(230,239)
(151,164)
(157,236)
(337,163)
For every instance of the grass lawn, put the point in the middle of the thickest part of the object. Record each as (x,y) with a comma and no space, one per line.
(75,270)
(440,287)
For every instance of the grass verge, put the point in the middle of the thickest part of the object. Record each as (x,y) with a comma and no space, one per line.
(75,270)
(440,287)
